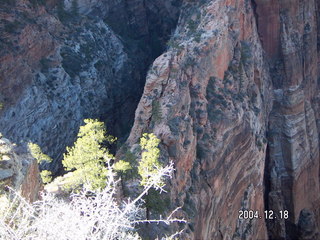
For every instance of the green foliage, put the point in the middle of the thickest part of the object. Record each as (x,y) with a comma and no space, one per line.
(62,13)
(122,166)
(37,153)
(246,54)
(1,105)
(174,125)
(88,157)
(148,167)
(149,163)
(11,27)
(174,44)
(156,111)
(157,201)
(9,2)
(46,176)
(37,2)
(74,8)
(45,64)
(188,62)
(128,166)
(215,115)
(192,25)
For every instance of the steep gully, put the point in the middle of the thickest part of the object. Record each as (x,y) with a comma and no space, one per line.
(290,145)
(59,66)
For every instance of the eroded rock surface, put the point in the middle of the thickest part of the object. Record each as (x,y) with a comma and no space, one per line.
(19,170)
(235,102)
(60,65)
(235,99)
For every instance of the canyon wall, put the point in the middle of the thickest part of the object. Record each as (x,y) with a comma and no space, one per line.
(60,65)
(234,98)
(292,161)
(235,102)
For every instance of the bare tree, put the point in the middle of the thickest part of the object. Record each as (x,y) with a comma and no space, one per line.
(83,216)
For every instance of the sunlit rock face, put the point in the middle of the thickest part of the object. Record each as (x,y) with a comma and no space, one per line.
(238,98)
(19,170)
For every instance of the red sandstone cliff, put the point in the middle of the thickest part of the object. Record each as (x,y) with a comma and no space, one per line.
(238,98)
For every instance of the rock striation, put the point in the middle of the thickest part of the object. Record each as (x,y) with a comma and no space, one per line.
(234,98)
(60,65)
(235,101)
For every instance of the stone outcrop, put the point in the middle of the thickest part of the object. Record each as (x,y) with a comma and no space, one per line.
(19,170)
(59,66)
(235,102)
(307,227)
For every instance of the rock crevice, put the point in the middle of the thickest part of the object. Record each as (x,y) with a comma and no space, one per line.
(64,66)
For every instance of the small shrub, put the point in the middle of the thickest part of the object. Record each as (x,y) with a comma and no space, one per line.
(122,166)
(174,44)
(174,124)
(37,153)
(192,26)
(45,64)
(156,111)
(46,176)
(201,152)
(128,167)
(74,8)
(188,62)
(62,13)
(215,115)
(246,54)
(156,201)
(11,27)
(9,2)
(149,164)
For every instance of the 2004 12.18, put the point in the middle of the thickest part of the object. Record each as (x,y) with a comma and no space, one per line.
(267,214)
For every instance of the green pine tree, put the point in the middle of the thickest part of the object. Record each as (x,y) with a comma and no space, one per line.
(88,157)
(37,153)
(46,176)
(149,163)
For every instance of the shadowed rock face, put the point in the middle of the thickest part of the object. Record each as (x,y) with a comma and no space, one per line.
(307,227)
(293,163)
(238,97)
(57,71)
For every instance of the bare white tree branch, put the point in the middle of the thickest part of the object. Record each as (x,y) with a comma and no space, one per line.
(82,217)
